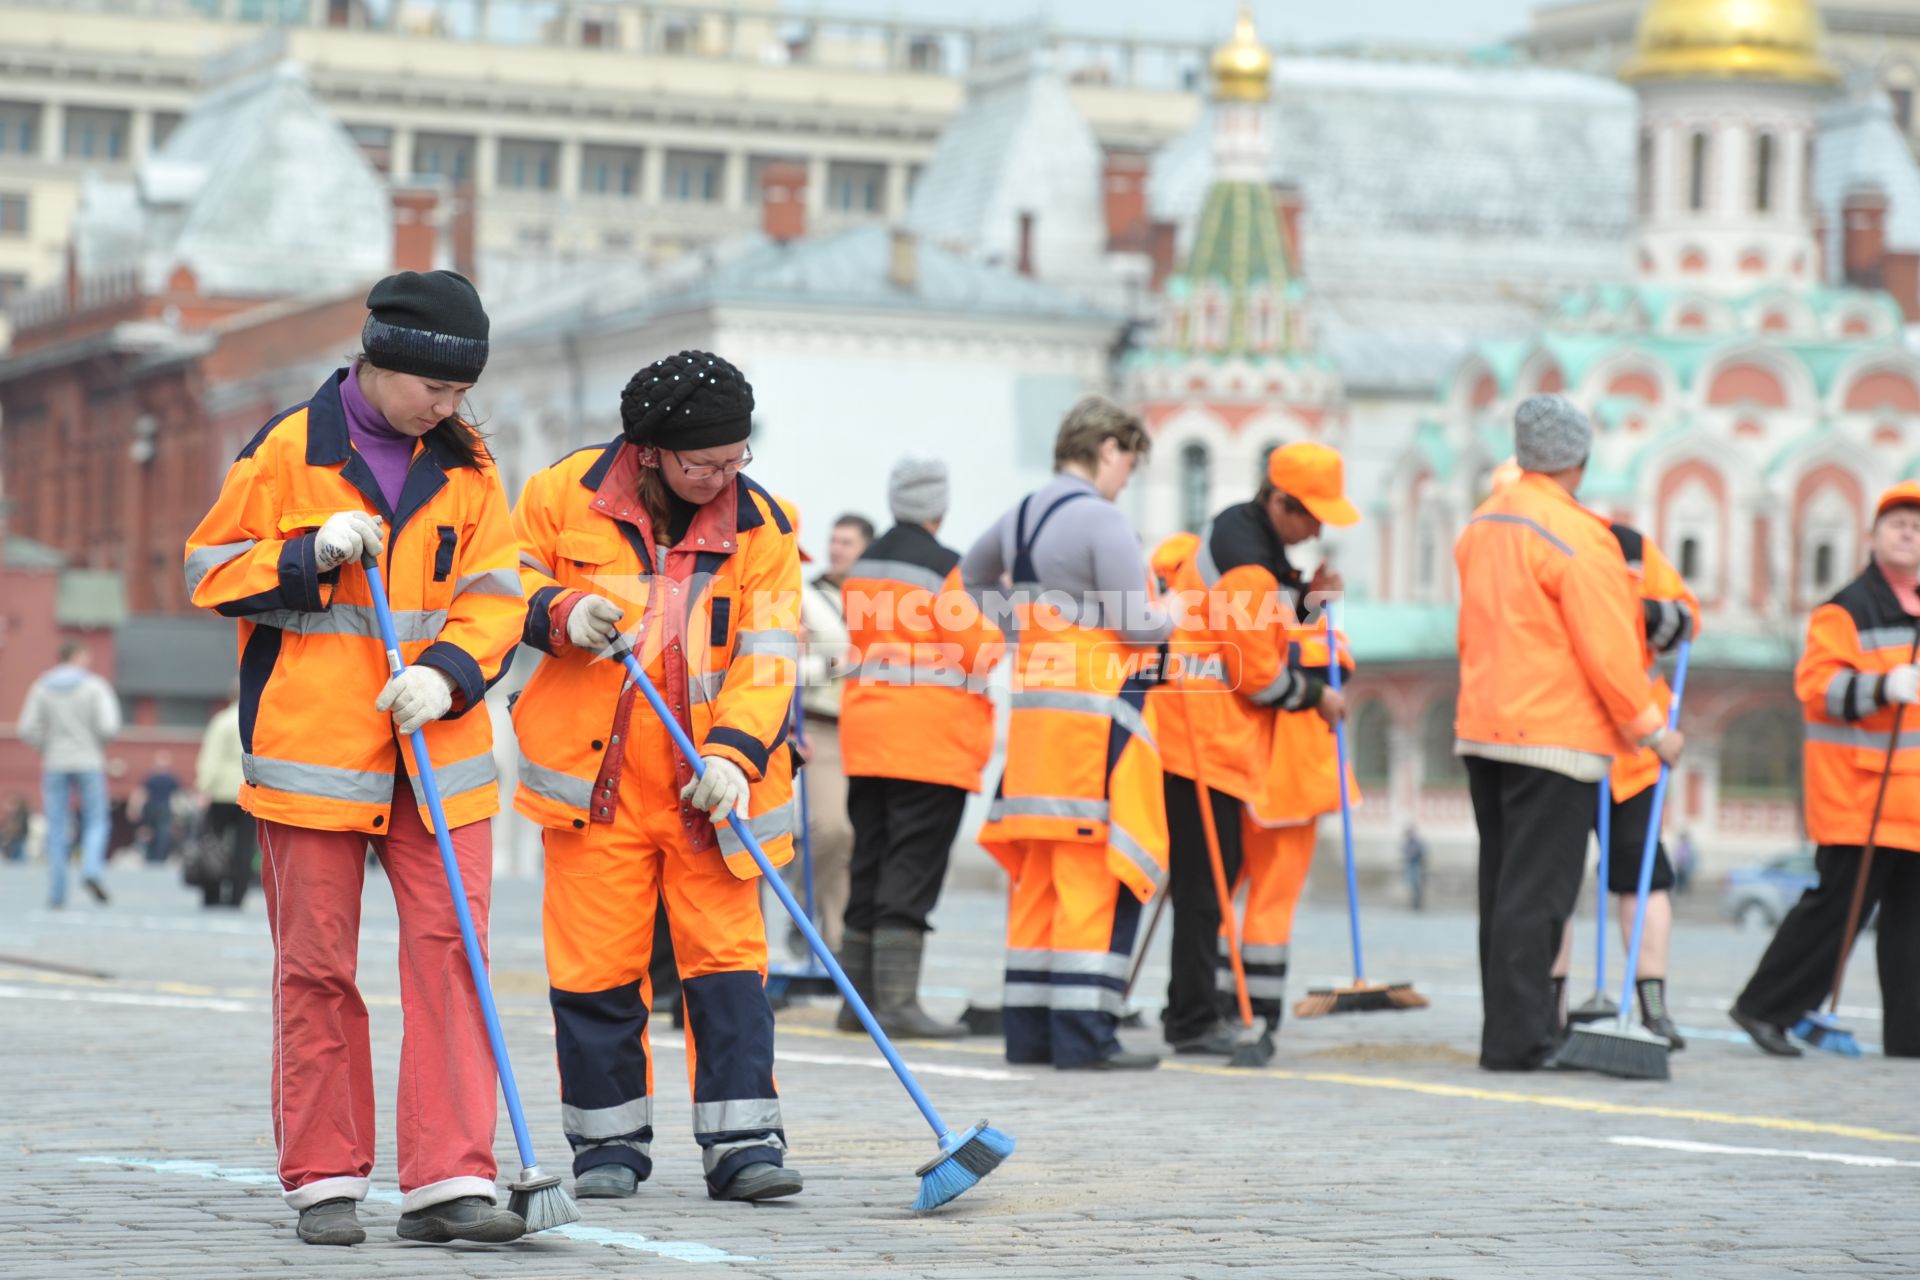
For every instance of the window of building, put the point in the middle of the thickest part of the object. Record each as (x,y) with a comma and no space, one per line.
(610,171)
(527,165)
(19,129)
(1690,559)
(855,187)
(12,285)
(443,155)
(94,133)
(1902,102)
(164,123)
(1644,171)
(1828,544)
(693,177)
(1699,154)
(13,213)
(1196,486)
(1760,754)
(1370,733)
(1440,769)
(1693,530)
(1763,173)
(924,53)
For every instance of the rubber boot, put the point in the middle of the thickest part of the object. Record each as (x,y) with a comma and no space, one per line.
(856,957)
(896,988)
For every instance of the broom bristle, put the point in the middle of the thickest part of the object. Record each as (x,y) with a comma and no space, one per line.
(951,1175)
(543,1203)
(1361,997)
(1630,1054)
(1821,1032)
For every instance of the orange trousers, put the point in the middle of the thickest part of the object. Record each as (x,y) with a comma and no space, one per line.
(1274,866)
(1070,935)
(604,885)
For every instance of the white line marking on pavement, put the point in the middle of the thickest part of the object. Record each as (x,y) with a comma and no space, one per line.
(838,1060)
(677,1250)
(128,997)
(1715,1149)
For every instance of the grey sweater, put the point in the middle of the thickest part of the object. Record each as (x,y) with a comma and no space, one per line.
(1087,558)
(69,716)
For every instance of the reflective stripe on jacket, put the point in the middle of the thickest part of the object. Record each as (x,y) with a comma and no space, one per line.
(915,702)
(1670,613)
(1550,627)
(717,619)
(1852,642)
(314,751)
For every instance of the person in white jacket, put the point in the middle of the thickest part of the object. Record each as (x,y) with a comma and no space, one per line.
(69,717)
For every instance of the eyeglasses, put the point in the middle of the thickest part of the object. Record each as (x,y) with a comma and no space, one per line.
(708,473)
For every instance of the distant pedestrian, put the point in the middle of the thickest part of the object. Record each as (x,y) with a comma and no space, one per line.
(69,717)
(218,778)
(14,830)
(1413,864)
(1684,859)
(152,807)
(851,536)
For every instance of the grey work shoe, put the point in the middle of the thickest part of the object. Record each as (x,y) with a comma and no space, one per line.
(856,957)
(473,1218)
(897,954)
(606,1182)
(331,1222)
(1218,1041)
(1122,1061)
(762,1181)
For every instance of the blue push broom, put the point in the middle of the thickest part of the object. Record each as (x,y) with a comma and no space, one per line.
(1624,1050)
(1599,1006)
(537,1197)
(785,981)
(966,1155)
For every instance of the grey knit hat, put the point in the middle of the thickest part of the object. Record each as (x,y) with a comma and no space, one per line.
(1550,434)
(917,490)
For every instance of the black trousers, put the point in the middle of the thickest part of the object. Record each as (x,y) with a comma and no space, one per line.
(1192,1008)
(235,828)
(902,834)
(1796,973)
(1533,851)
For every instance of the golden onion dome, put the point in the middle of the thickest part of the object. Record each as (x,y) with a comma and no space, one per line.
(1242,66)
(1771,40)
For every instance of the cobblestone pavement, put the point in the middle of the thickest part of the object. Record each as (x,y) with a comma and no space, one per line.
(134,1108)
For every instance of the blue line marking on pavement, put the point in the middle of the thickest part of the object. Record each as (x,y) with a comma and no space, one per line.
(679,1251)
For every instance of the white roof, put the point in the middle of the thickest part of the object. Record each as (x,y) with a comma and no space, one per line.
(1445,203)
(1860,145)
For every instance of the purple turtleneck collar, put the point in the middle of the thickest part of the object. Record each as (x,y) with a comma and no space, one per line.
(388,452)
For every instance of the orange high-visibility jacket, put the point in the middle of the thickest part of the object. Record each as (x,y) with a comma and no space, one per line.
(1670,613)
(1853,640)
(1550,627)
(1236,603)
(915,703)
(1302,778)
(315,752)
(717,618)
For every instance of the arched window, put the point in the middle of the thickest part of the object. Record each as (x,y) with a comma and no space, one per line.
(1195,487)
(1700,151)
(1763,172)
(1645,171)
(1829,533)
(1690,558)
(1760,755)
(1370,734)
(1439,767)
(1693,531)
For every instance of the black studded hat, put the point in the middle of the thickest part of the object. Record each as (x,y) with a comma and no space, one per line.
(694,400)
(427,323)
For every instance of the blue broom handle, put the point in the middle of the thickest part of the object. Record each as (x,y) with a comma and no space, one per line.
(423,768)
(1603,825)
(644,683)
(1685,651)
(806,814)
(1346,802)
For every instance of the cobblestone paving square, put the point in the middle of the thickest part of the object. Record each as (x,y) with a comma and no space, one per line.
(138,1144)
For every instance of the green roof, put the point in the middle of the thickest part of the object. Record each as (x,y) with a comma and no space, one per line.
(1239,249)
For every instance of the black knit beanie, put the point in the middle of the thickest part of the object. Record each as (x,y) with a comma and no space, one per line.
(694,400)
(428,323)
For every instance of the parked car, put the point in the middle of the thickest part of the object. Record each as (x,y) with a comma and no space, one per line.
(1758,896)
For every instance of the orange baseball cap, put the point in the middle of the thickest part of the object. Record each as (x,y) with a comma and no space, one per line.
(1904,494)
(793,518)
(1313,475)
(1169,555)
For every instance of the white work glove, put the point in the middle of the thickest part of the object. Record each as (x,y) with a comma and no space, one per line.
(722,787)
(415,696)
(347,535)
(1902,684)
(594,624)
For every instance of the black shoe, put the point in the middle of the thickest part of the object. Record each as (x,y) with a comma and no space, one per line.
(331,1222)
(98,890)
(1664,1028)
(1122,1061)
(1219,1042)
(1770,1038)
(473,1218)
(761,1181)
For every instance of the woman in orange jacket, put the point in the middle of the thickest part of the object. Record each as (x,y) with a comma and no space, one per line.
(378,463)
(1551,689)
(658,542)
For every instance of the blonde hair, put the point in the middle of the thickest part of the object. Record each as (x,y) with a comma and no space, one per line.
(1092,420)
